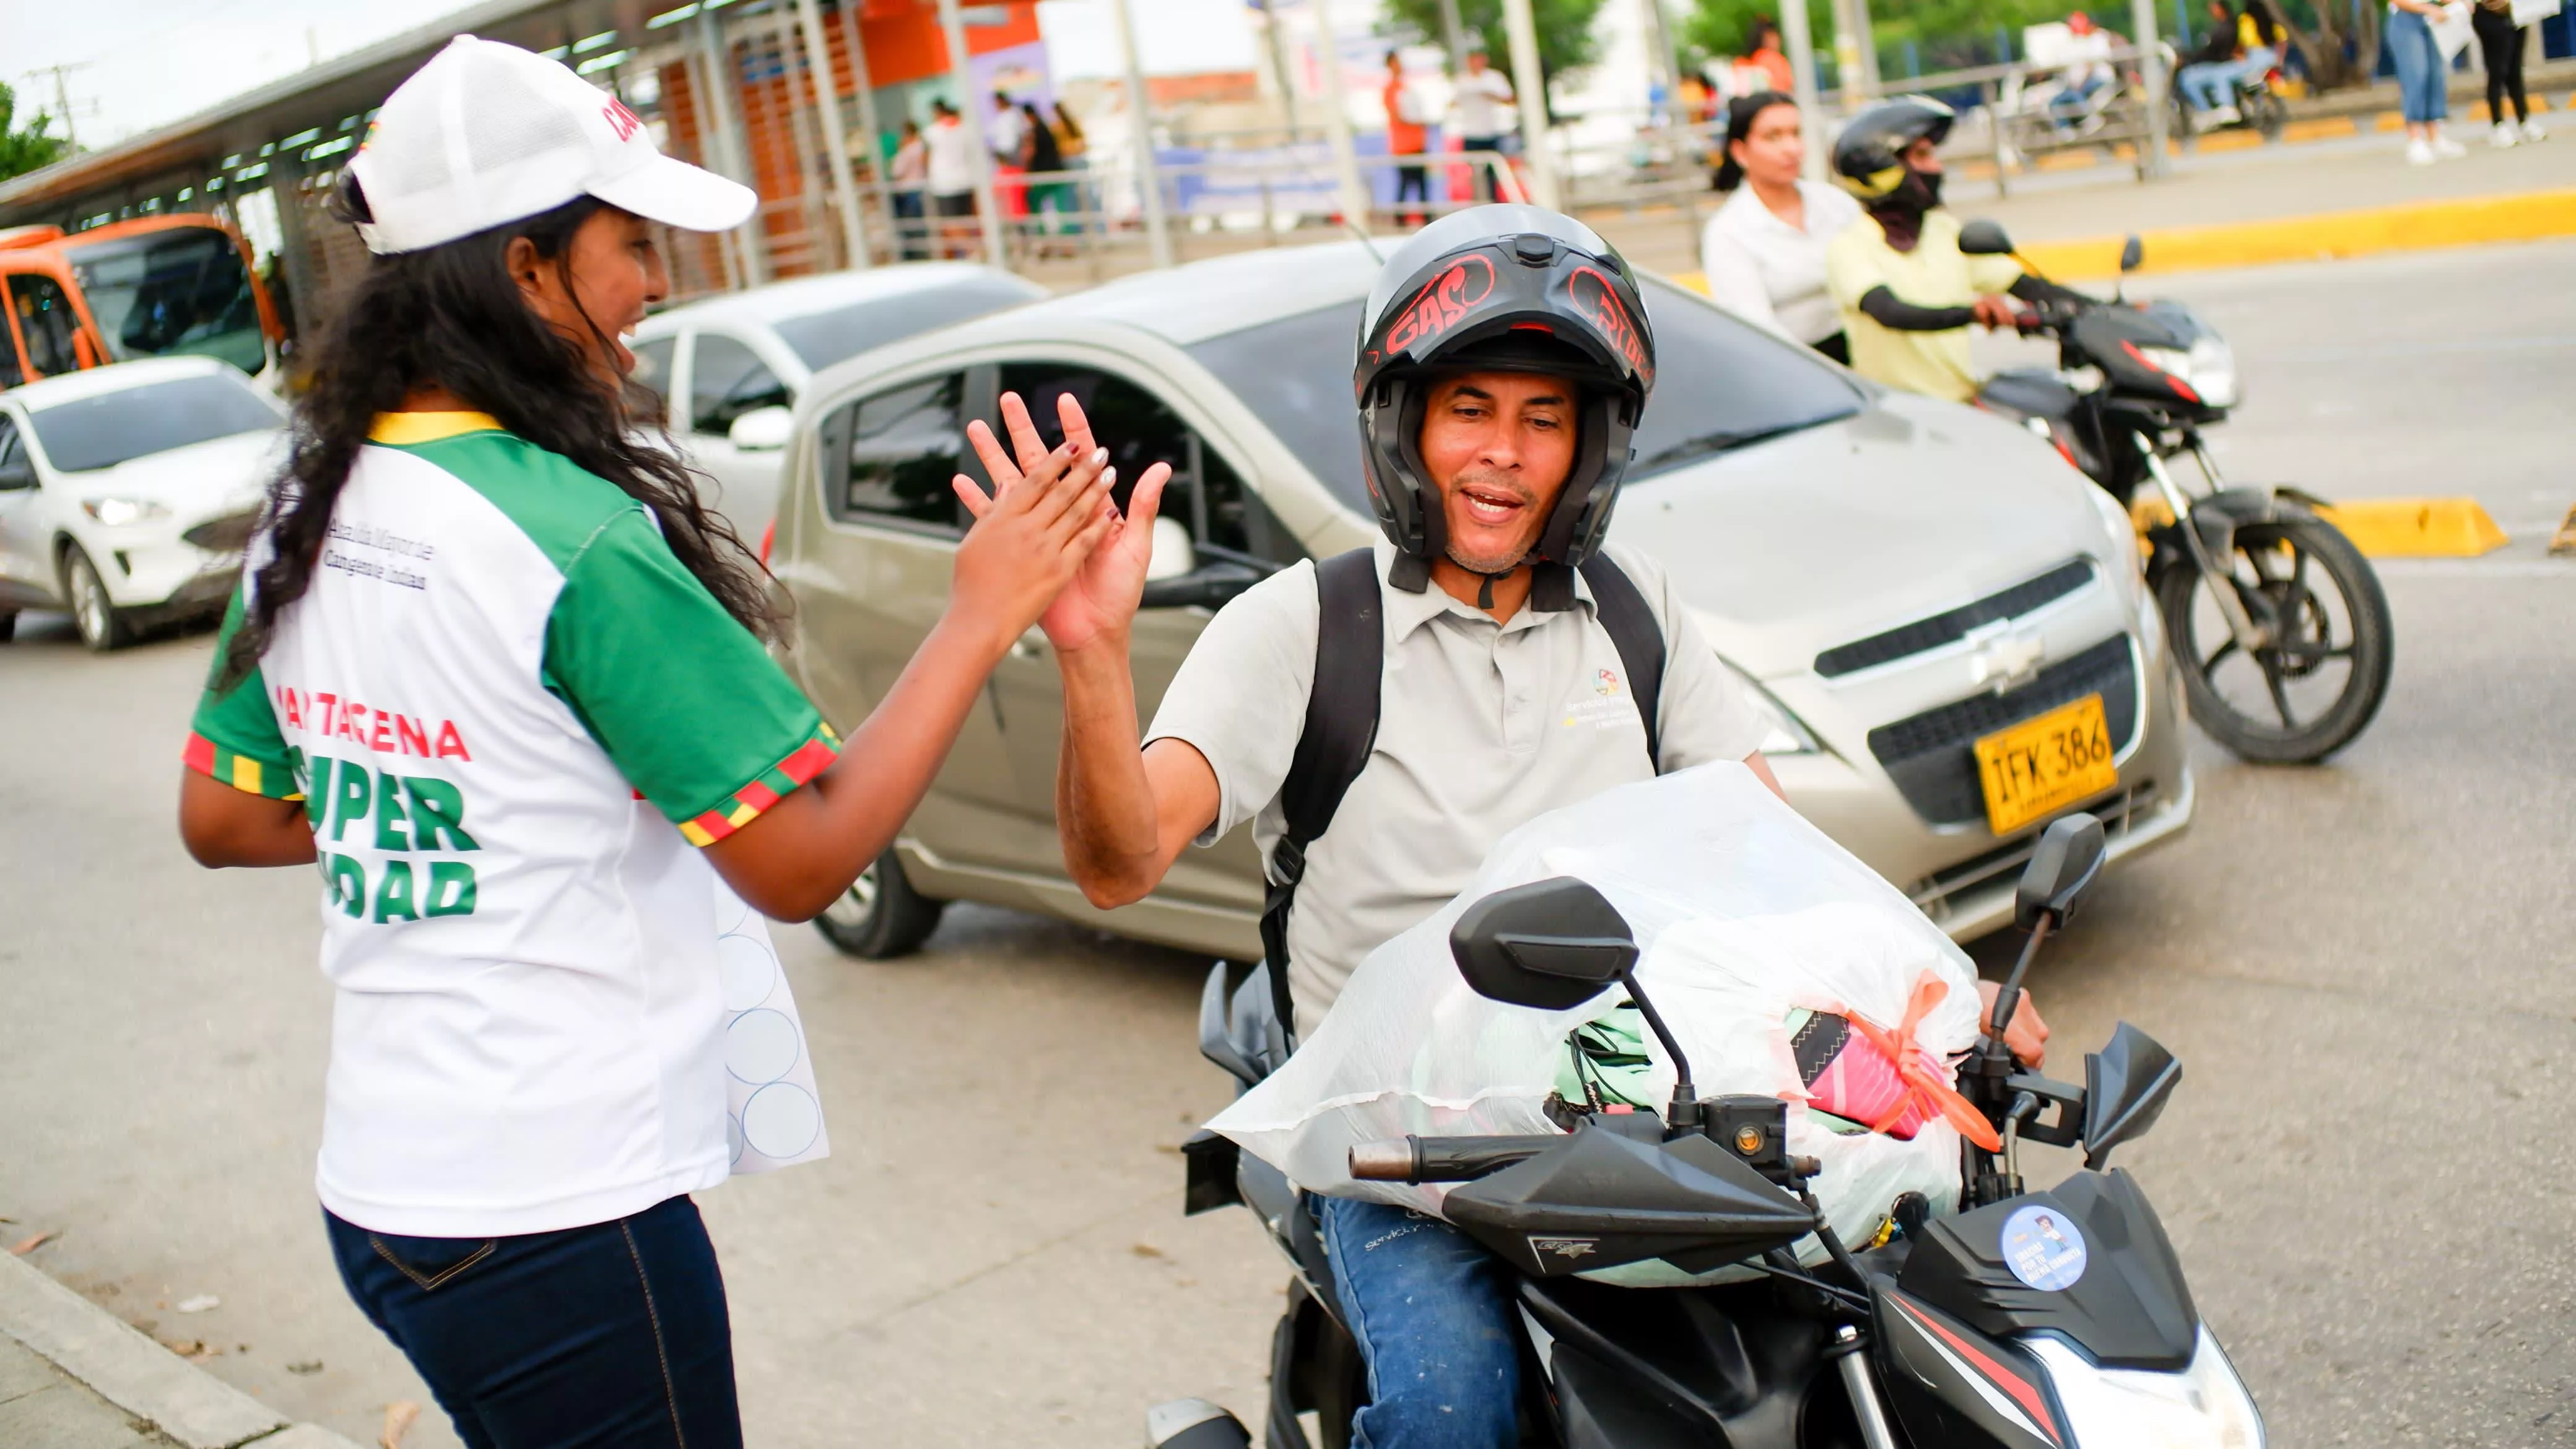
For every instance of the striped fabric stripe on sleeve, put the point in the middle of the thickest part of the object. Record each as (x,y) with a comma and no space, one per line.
(801,764)
(253,777)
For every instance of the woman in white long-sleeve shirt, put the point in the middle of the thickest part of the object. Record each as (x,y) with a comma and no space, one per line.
(1764,251)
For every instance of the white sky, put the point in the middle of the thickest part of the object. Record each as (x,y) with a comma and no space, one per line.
(145,63)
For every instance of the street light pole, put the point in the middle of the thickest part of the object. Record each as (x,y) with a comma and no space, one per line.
(1149,176)
(1454,35)
(1801,43)
(1521,28)
(2151,69)
(1337,120)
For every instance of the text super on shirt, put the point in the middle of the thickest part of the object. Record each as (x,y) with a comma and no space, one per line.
(512,716)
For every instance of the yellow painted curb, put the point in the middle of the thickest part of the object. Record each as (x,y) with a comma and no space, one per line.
(2413,226)
(2416,527)
(2320,129)
(2217,141)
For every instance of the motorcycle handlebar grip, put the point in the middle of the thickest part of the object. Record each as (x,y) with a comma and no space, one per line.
(1444,1159)
(1383,1161)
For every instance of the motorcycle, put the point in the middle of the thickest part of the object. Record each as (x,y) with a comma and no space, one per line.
(2136,385)
(2032,1318)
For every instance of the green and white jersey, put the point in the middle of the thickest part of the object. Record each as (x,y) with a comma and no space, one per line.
(512,716)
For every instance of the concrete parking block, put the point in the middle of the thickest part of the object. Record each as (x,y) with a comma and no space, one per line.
(2417,527)
(2414,226)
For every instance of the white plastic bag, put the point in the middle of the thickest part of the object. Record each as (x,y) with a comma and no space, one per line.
(1743,911)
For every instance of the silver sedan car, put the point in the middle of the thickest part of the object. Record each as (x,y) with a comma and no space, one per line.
(1944,622)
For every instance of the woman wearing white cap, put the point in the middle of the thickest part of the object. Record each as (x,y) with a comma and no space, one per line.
(497,673)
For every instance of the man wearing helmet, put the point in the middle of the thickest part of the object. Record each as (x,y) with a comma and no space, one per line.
(1503,362)
(1908,294)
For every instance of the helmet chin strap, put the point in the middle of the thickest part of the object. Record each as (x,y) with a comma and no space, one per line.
(1485,590)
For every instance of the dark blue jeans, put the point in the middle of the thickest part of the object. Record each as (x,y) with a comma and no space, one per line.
(1433,1315)
(612,1334)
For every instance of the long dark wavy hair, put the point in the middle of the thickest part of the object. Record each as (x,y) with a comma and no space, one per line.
(452,315)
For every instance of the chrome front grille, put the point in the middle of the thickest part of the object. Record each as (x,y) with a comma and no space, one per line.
(1956,624)
(1932,756)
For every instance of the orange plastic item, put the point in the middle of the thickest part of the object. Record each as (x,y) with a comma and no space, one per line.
(1926,1076)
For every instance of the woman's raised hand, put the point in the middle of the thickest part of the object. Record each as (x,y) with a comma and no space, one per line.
(1101,595)
(1048,513)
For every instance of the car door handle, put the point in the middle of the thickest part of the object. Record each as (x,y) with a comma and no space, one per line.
(1032,644)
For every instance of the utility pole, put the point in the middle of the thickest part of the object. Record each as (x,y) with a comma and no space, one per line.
(836,142)
(1149,176)
(1800,41)
(62,96)
(1531,83)
(1454,35)
(2151,69)
(1275,39)
(1337,121)
(988,206)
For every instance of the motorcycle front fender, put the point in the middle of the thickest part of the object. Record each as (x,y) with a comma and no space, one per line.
(2218,516)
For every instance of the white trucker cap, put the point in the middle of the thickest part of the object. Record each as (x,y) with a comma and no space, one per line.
(487,133)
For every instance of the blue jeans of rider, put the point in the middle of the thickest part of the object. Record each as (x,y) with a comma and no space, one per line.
(613,1334)
(1433,1315)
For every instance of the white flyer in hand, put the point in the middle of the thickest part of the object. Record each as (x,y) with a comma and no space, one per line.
(773,1112)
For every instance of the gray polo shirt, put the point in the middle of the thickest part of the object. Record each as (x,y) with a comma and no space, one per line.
(1481,726)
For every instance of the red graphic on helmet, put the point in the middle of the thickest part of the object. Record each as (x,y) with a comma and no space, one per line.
(1443,304)
(1610,314)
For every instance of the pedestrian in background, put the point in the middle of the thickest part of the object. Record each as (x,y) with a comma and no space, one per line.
(1075,148)
(1765,56)
(2500,45)
(574,766)
(1480,105)
(1006,131)
(951,172)
(1763,253)
(1407,133)
(908,171)
(1043,155)
(2422,80)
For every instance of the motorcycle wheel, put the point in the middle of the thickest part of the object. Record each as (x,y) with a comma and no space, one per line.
(2308,695)
(2266,112)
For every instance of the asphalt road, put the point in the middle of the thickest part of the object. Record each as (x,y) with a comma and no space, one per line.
(2365,967)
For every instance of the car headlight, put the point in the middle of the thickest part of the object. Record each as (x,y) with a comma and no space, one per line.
(1783,734)
(118,512)
(2205,1406)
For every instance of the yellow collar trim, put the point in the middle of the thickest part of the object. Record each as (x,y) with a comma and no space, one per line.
(409,429)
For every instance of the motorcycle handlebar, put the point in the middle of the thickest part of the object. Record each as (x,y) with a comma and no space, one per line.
(1444,1159)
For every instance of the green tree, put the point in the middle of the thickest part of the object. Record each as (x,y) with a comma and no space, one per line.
(22,151)
(1947,34)
(1565,39)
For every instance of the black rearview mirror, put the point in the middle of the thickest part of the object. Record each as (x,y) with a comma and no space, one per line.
(1208,586)
(2126,1086)
(1551,944)
(2070,854)
(1983,238)
(2132,253)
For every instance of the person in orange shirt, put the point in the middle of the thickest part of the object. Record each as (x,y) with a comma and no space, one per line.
(1405,136)
(1765,53)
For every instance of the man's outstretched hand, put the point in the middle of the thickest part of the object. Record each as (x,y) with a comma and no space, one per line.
(1101,598)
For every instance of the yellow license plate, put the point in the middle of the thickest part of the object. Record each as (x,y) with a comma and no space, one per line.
(2043,764)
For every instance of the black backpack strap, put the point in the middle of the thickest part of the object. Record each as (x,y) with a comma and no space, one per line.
(1341,727)
(1624,612)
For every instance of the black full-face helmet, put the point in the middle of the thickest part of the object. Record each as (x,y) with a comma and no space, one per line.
(1869,155)
(1501,288)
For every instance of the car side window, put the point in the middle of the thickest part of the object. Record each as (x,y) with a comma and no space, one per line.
(13,454)
(46,323)
(653,366)
(11,373)
(1140,430)
(727,380)
(889,458)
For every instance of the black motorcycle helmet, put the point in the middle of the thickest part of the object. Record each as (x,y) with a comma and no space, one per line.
(1869,156)
(1502,288)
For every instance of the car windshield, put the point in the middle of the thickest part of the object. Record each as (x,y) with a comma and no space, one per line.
(181,291)
(111,428)
(1721,384)
(824,338)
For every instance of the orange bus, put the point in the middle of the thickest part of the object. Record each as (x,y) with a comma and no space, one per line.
(156,286)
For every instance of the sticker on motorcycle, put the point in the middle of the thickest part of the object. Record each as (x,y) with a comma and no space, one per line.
(2043,1248)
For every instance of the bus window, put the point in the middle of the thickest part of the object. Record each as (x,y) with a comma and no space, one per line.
(45,323)
(180,290)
